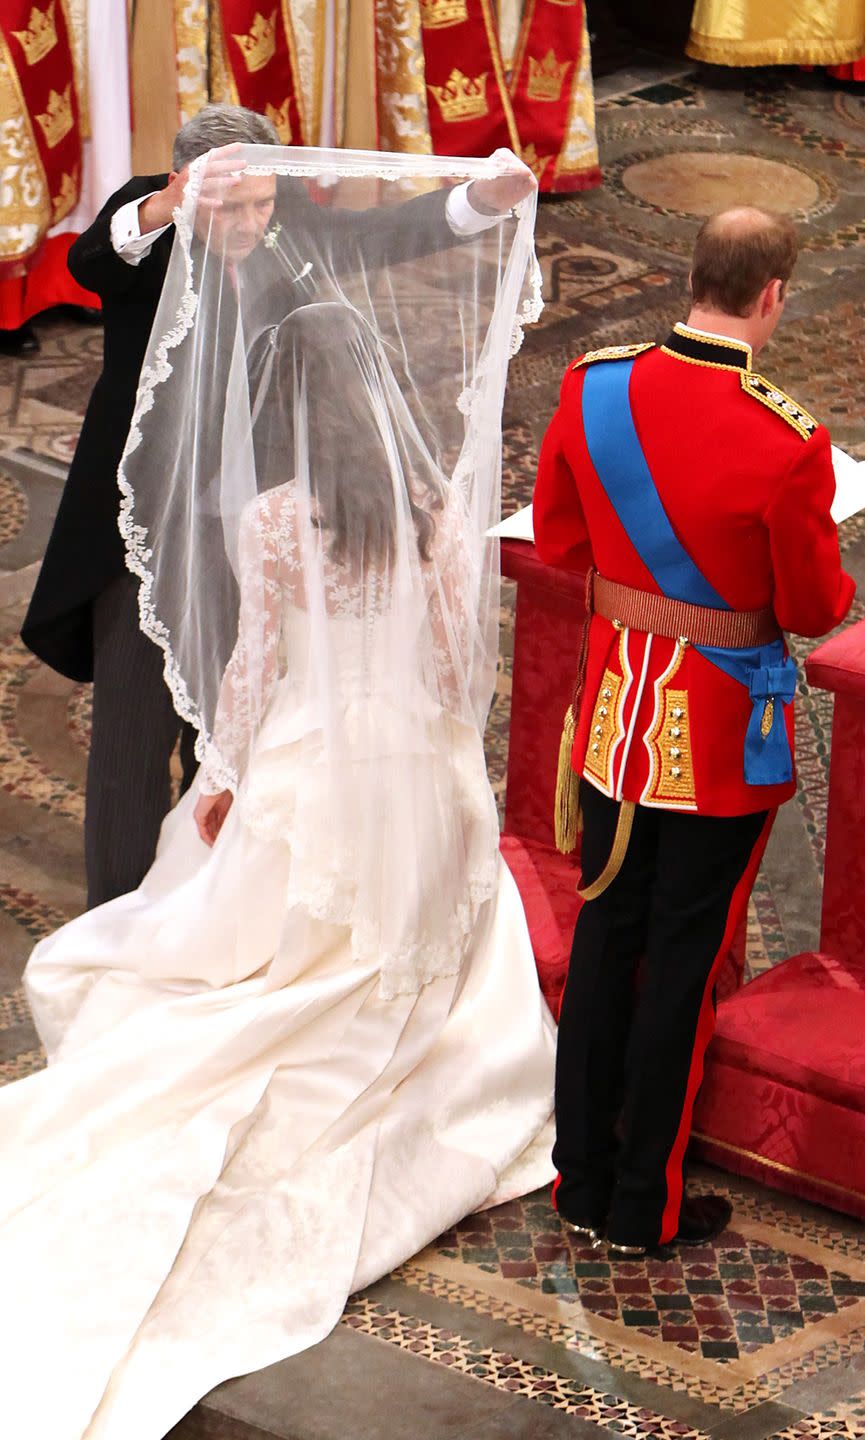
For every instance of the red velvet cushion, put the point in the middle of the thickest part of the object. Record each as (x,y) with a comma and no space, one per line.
(547,882)
(803,1023)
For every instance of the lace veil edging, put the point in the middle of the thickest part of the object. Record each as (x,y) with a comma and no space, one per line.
(518,302)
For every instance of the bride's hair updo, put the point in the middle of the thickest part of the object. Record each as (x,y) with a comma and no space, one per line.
(359,466)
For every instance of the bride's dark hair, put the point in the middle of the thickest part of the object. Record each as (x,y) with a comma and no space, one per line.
(346,385)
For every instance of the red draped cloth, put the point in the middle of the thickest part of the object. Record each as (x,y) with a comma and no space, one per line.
(46,283)
(39,100)
(853,71)
(543,109)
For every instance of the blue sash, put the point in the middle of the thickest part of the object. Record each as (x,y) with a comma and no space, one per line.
(617,455)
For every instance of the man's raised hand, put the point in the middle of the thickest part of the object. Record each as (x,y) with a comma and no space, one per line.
(498,195)
(222,174)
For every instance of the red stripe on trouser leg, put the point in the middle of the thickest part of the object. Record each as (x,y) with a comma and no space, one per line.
(556,1183)
(705,1027)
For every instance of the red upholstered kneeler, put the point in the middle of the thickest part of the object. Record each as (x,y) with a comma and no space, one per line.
(784,1094)
(547,885)
(548,631)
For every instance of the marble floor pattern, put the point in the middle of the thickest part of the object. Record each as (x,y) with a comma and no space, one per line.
(504,1327)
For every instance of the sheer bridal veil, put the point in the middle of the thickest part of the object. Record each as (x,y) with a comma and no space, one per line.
(313,464)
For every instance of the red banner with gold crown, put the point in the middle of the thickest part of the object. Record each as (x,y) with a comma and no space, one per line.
(553,101)
(255,50)
(40,123)
(469,106)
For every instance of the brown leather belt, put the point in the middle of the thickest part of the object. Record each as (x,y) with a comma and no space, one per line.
(678,620)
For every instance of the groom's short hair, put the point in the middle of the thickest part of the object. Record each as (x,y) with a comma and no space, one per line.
(736,255)
(217,125)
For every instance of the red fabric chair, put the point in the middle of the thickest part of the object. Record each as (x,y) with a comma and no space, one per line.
(784,1096)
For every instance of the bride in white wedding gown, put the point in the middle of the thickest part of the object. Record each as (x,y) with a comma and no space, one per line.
(313,1039)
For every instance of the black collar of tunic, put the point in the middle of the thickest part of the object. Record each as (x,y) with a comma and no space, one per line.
(699,349)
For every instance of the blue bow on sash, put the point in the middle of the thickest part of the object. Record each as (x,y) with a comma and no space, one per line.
(617,456)
(770,676)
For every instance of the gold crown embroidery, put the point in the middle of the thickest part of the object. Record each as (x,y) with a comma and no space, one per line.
(462,98)
(439,14)
(278,115)
(39,39)
(536,163)
(547,76)
(58,118)
(65,198)
(258,46)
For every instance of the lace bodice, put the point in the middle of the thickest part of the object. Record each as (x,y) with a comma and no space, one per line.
(371,641)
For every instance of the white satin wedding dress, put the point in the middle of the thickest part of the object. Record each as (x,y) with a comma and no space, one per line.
(236,1129)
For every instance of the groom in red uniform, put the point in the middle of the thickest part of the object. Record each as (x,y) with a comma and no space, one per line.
(704,493)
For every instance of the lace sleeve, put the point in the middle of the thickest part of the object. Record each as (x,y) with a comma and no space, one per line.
(252,671)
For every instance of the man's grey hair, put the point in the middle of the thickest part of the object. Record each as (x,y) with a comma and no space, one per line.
(216,125)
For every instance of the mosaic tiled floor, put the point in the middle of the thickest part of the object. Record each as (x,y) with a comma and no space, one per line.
(517,1331)
(722,1301)
(744,1329)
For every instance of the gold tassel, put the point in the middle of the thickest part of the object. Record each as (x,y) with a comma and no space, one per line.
(567,812)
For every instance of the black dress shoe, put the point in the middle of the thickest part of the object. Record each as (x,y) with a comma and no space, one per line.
(588,1229)
(592,1234)
(85,314)
(23,341)
(701,1218)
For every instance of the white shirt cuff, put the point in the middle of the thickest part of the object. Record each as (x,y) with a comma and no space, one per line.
(126,236)
(462,216)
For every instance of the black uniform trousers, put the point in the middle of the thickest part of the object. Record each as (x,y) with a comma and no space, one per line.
(135,730)
(638,1009)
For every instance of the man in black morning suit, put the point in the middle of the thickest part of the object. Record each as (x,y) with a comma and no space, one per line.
(83,616)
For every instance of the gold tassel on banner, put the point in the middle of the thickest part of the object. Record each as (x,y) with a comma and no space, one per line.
(567,809)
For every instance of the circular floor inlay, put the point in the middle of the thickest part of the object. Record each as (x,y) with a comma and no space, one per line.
(13,508)
(851,109)
(698,183)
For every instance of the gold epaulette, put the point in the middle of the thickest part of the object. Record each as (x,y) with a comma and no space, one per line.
(613,352)
(775,399)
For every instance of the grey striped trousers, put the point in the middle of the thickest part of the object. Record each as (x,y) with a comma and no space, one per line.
(135,730)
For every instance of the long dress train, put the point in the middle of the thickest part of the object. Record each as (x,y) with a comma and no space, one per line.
(236,1129)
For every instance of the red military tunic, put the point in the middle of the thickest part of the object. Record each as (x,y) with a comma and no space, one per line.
(745,476)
